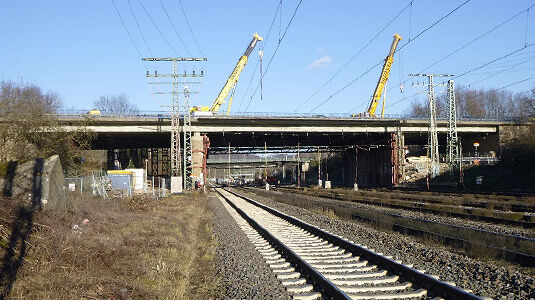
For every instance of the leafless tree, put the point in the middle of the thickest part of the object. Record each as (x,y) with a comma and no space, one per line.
(116,105)
(29,127)
(480,103)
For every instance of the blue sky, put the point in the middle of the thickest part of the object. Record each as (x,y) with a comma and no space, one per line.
(80,49)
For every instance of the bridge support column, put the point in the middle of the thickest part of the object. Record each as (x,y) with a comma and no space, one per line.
(397,143)
(197,157)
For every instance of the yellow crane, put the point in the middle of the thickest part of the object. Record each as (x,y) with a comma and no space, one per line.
(231,81)
(383,79)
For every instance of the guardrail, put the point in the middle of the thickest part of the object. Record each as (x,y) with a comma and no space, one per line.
(167,115)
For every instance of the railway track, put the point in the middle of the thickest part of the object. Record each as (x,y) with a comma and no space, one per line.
(508,247)
(315,264)
(419,207)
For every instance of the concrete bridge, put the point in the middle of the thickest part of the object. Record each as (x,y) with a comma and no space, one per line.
(379,145)
(249,132)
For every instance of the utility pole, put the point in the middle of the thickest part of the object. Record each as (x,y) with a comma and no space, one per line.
(453,138)
(434,163)
(320,184)
(187,153)
(265,162)
(178,183)
(228,164)
(298,167)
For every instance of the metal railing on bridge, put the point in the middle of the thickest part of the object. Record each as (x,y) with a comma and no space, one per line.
(166,115)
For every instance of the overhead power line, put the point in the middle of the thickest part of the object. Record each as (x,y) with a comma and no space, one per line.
(174,28)
(276,49)
(126,29)
(477,38)
(354,56)
(502,71)
(189,26)
(471,42)
(157,28)
(264,43)
(399,49)
(139,28)
(492,61)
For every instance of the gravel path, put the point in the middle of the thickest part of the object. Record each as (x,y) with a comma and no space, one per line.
(483,278)
(498,228)
(243,272)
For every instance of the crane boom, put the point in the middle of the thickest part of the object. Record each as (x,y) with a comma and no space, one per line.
(234,76)
(383,78)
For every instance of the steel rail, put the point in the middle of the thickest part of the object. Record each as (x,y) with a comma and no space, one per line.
(433,285)
(521,258)
(326,287)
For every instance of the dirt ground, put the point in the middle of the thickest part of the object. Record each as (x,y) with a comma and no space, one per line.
(109,249)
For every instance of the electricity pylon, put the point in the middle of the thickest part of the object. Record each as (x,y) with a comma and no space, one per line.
(177,167)
(434,162)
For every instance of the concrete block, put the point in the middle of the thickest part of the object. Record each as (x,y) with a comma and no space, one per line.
(176,185)
(21,182)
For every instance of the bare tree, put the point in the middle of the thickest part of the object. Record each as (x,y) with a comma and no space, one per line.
(419,109)
(29,128)
(481,103)
(116,105)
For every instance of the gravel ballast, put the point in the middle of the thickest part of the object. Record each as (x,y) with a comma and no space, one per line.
(243,272)
(483,278)
(497,228)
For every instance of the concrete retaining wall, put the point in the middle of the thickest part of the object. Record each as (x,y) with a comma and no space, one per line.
(27,180)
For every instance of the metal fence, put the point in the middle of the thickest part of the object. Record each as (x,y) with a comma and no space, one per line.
(167,115)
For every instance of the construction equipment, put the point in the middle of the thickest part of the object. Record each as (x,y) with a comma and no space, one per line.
(230,84)
(381,84)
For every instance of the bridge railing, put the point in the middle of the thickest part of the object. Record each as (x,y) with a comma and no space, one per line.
(166,115)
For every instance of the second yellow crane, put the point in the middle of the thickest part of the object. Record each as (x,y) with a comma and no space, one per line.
(382,80)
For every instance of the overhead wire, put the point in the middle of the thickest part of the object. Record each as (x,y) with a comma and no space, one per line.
(264,43)
(477,38)
(504,87)
(126,29)
(157,28)
(354,56)
(462,88)
(276,49)
(136,47)
(492,61)
(174,29)
(139,28)
(399,49)
(189,26)
(473,40)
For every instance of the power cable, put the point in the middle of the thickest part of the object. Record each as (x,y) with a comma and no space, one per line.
(139,28)
(174,29)
(527,23)
(501,88)
(189,26)
(127,31)
(399,49)
(501,71)
(354,56)
(157,28)
(504,87)
(492,61)
(276,49)
(471,42)
(264,43)
(477,38)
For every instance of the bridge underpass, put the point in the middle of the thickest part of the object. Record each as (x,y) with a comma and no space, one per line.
(380,143)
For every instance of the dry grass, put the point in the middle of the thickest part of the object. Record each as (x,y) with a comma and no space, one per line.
(323,211)
(135,249)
